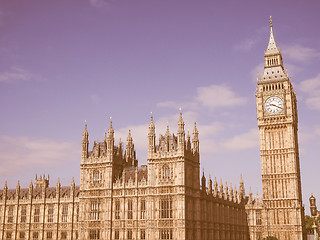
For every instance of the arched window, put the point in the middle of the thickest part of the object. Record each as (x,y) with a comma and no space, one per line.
(96,176)
(166,173)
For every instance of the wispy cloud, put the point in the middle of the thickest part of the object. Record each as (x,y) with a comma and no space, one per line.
(301,54)
(312,88)
(216,96)
(17,75)
(243,141)
(18,154)
(210,97)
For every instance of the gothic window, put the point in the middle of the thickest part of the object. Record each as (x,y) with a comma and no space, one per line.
(35,235)
(22,235)
(50,213)
(49,235)
(143,209)
(117,209)
(65,213)
(166,173)
(23,214)
(166,208)
(64,235)
(10,214)
(95,210)
(143,234)
(116,234)
(129,234)
(130,209)
(166,234)
(94,234)
(9,235)
(96,176)
(258,218)
(36,214)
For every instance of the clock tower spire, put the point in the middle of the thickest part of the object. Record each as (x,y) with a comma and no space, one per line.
(283,214)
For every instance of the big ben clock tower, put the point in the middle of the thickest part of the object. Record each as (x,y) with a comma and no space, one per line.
(283,213)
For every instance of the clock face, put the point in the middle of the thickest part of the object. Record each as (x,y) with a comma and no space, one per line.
(273,105)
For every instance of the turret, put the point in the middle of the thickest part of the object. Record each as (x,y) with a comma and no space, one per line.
(130,152)
(110,142)
(226,191)
(195,140)
(85,142)
(250,197)
(215,192)
(241,189)
(18,190)
(221,189)
(203,183)
(167,139)
(210,185)
(231,193)
(181,134)
(151,138)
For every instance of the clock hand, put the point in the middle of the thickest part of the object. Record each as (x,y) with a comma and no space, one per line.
(275,105)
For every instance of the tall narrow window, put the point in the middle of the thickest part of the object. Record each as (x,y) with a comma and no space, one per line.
(22,235)
(10,214)
(35,235)
(65,213)
(166,234)
(49,235)
(36,214)
(94,234)
(166,208)
(129,234)
(95,210)
(23,214)
(258,218)
(116,234)
(96,176)
(143,234)
(143,209)
(50,213)
(129,209)
(117,209)
(77,213)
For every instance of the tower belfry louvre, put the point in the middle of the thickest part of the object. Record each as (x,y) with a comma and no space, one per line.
(283,213)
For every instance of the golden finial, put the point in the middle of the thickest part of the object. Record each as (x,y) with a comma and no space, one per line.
(270,21)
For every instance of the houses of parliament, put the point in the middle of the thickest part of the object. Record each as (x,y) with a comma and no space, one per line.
(168,198)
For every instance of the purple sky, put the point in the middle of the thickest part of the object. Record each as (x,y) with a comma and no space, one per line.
(62,62)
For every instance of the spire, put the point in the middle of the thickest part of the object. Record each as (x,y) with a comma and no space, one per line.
(195,139)
(203,182)
(168,131)
(110,131)
(221,189)
(250,196)
(181,134)
(85,142)
(151,138)
(241,188)
(272,46)
(210,185)
(273,64)
(215,193)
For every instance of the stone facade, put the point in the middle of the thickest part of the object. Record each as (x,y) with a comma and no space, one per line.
(117,199)
(281,210)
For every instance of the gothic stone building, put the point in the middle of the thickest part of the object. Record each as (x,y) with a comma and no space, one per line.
(117,199)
